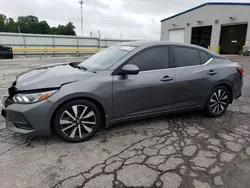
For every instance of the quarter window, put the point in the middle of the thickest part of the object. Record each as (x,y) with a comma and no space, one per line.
(204,57)
(152,59)
(185,57)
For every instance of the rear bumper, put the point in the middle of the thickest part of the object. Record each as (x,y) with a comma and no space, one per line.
(238,96)
(237,88)
(32,119)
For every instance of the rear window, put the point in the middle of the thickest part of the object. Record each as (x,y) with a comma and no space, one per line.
(184,57)
(204,57)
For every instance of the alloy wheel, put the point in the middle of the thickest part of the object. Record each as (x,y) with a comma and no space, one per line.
(77,121)
(219,101)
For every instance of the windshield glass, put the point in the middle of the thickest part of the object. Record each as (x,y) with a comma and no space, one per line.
(106,58)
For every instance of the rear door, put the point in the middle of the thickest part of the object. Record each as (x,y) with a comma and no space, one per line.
(148,92)
(194,76)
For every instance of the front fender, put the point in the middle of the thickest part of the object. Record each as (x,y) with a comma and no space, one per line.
(101,93)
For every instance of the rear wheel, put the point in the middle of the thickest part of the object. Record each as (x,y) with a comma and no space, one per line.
(77,121)
(218,101)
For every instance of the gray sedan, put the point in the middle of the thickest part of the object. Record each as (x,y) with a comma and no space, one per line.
(123,82)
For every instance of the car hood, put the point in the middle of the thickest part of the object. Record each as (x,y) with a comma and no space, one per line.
(50,76)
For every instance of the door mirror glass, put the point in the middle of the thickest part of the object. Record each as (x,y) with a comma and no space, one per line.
(130,69)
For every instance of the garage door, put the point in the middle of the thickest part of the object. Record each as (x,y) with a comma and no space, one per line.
(176,35)
(232,38)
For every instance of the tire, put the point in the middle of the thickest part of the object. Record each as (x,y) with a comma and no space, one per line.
(218,101)
(77,121)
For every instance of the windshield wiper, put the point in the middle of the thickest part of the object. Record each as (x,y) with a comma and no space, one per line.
(81,68)
(76,65)
(84,69)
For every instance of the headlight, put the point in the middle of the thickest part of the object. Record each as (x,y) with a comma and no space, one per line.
(26,98)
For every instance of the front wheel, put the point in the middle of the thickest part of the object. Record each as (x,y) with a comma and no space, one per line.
(77,121)
(218,102)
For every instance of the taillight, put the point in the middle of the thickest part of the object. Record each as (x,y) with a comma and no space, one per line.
(240,70)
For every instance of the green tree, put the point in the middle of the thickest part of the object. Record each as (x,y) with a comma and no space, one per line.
(67,29)
(31,24)
(2,22)
(70,29)
(28,24)
(61,30)
(53,31)
(44,27)
(11,26)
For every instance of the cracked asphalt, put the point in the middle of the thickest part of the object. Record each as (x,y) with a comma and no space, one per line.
(186,150)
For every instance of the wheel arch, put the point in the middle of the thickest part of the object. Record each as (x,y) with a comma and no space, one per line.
(68,99)
(227,85)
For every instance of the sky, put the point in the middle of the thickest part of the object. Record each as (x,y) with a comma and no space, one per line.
(126,19)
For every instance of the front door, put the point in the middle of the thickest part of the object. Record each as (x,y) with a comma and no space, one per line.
(148,92)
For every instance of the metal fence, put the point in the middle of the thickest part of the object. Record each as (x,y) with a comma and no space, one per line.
(33,44)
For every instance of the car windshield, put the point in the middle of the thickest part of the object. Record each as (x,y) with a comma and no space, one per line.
(106,58)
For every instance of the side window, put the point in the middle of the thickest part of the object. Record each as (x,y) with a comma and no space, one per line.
(185,56)
(151,59)
(204,57)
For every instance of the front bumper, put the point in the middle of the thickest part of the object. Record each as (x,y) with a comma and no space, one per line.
(32,119)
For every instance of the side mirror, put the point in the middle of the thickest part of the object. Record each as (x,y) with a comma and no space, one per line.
(130,69)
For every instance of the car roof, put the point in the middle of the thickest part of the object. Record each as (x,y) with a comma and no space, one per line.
(153,43)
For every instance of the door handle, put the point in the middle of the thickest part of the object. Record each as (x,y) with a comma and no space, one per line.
(212,72)
(166,79)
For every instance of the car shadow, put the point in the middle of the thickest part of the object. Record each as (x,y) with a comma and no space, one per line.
(142,127)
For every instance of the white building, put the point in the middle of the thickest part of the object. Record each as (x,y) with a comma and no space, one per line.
(222,27)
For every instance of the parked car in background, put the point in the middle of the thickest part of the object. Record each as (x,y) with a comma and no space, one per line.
(123,82)
(6,52)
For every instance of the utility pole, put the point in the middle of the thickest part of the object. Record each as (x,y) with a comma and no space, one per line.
(81,3)
(99,40)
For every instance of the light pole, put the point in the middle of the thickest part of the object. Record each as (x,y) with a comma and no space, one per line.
(81,3)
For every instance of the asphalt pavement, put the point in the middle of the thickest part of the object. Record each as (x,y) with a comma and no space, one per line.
(187,150)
